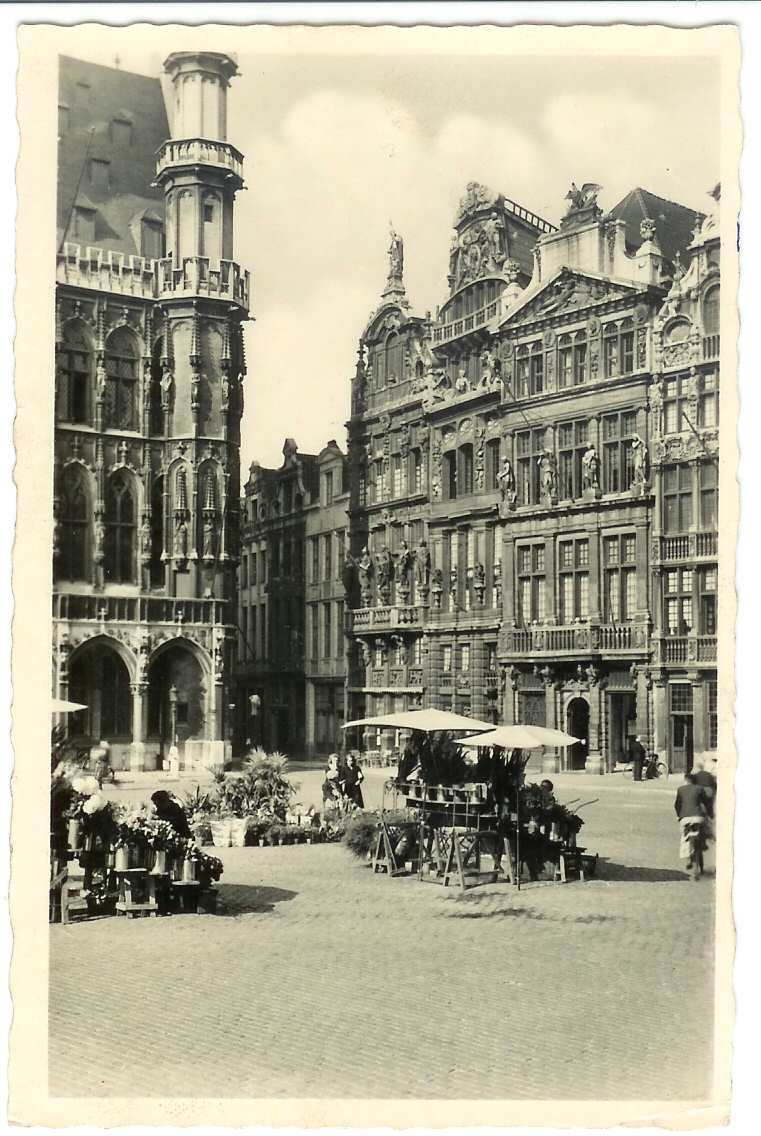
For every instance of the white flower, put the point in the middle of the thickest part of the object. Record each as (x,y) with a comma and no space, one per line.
(94,804)
(85,785)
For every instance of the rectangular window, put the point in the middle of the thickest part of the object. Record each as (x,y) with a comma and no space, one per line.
(707,585)
(417,652)
(446,659)
(327,556)
(531,582)
(315,559)
(620,577)
(537,369)
(327,631)
(315,630)
(328,487)
(465,658)
(610,355)
(565,362)
(450,475)
(397,476)
(275,557)
(339,628)
(529,446)
(677,498)
(677,600)
(579,361)
(244,575)
(708,476)
(573,563)
(417,472)
(465,471)
(708,402)
(340,547)
(674,405)
(492,464)
(491,657)
(618,432)
(572,444)
(522,373)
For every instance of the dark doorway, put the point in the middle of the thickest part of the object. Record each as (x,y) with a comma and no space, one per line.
(577,724)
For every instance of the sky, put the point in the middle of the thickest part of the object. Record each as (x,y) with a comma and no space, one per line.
(338,147)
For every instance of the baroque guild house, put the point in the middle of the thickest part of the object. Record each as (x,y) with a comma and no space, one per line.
(149,395)
(534,480)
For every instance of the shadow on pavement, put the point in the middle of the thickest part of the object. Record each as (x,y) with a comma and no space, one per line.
(240,899)
(624,873)
(498,912)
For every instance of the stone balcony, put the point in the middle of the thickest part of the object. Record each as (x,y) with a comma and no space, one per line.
(385,617)
(109,614)
(687,546)
(465,325)
(198,276)
(104,270)
(177,152)
(391,677)
(325,668)
(686,649)
(574,639)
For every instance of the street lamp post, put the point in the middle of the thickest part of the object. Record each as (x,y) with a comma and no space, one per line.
(173,713)
(255,705)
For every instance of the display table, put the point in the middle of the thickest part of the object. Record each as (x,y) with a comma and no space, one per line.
(453,833)
(138,892)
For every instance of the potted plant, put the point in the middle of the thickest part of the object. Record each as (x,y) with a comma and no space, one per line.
(274,834)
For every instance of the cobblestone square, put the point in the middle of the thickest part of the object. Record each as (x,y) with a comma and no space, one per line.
(319,979)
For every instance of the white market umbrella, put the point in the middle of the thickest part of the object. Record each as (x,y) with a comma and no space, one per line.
(521,737)
(61,706)
(427,721)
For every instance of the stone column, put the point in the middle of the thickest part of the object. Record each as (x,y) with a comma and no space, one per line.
(595,762)
(699,699)
(595,606)
(139,716)
(661,718)
(310,716)
(508,576)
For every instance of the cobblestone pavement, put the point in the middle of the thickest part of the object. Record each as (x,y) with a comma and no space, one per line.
(319,979)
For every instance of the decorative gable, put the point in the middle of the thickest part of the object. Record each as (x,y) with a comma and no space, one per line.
(568,292)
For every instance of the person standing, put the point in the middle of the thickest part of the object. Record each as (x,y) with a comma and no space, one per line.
(638,759)
(353,778)
(691,808)
(707,781)
(168,809)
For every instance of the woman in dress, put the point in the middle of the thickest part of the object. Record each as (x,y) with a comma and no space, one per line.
(331,786)
(353,778)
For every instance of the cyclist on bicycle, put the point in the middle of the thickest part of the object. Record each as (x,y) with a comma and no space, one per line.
(692,807)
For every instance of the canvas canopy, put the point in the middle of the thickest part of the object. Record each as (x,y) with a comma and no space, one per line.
(428,721)
(521,737)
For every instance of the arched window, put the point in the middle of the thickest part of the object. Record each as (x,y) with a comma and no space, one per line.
(75,526)
(120,402)
(115,700)
(156,410)
(157,533)
(76,367)
(120,530)
(711,304)
(186,234)
(393,360)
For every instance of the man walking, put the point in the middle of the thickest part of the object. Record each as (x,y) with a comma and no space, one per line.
(691,807)
(638,759)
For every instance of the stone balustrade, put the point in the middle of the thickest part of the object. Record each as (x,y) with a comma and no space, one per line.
(199,151)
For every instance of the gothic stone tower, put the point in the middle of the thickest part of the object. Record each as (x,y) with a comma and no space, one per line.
(148,432)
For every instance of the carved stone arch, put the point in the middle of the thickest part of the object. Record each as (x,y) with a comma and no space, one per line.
(99,638)
(199,652)
(672,326)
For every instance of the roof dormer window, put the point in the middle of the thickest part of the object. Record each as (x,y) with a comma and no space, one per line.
(83,224)
(151,238)
(121,128)
(100,174)
(63,119)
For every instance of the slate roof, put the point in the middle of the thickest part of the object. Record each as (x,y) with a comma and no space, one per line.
(674,223)
(95,96)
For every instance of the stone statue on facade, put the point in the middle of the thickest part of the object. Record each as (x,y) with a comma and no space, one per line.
(100,382)
(492,241)
(225,392)
(384,569)
(461,382)
(195,391)
(590,469)
(404,561)
(506,482)
(209,539)
(548,476)
(639,463)
(166,383)
(395,256)
(180,538)
(365,571)
(423,564)
(437,586)
(584,198)
(99,530)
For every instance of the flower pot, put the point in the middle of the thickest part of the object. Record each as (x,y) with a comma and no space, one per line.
(159,862)
(121,859)
(75,828)
(281,840)
(221,833)
(189,871)
(238,826)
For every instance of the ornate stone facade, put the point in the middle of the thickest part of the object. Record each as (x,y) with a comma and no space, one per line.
(149,373)
(527,466)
